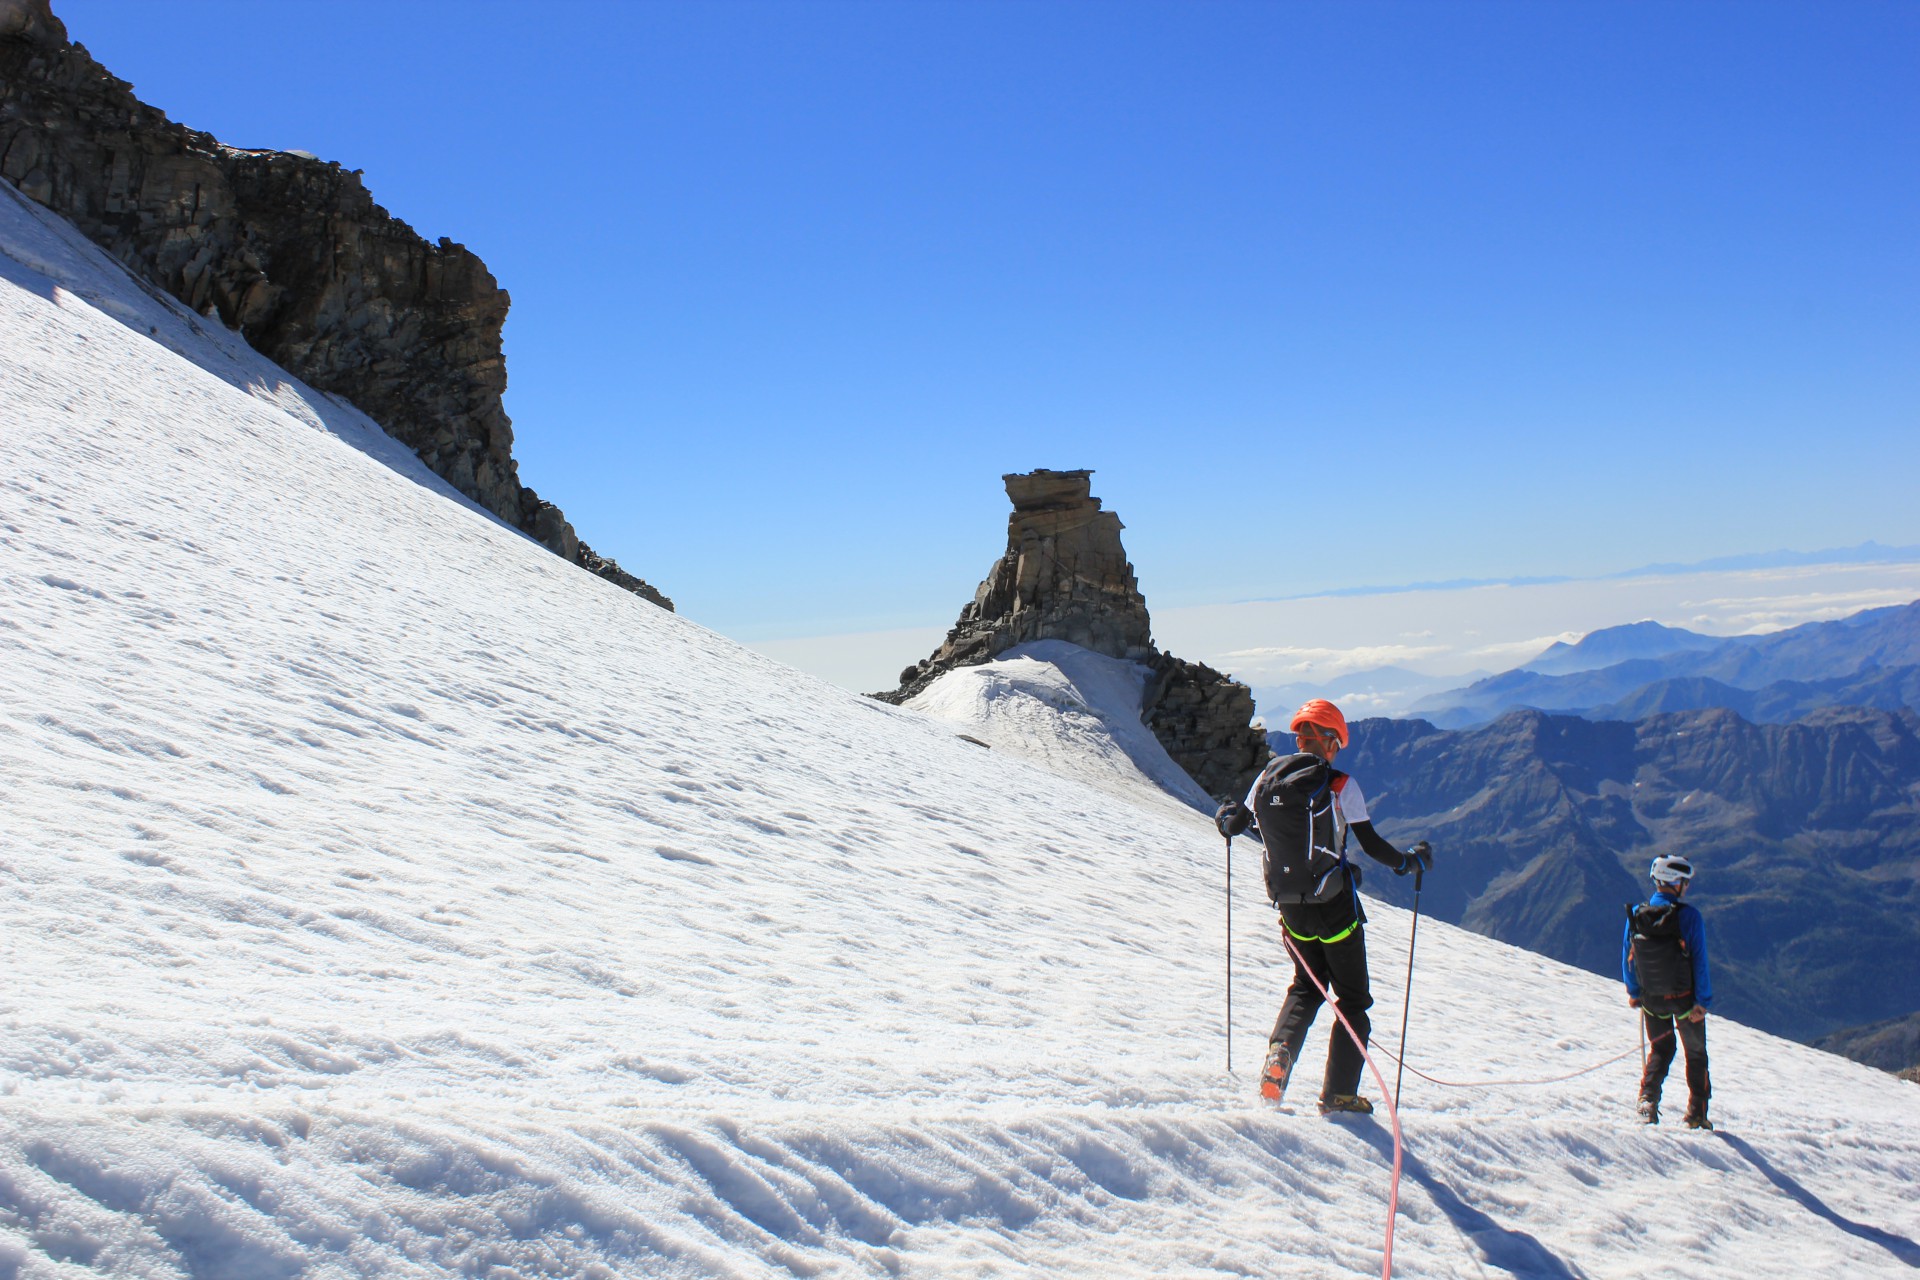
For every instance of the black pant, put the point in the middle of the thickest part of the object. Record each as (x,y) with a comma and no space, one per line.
(1342,966)
(1660,1047)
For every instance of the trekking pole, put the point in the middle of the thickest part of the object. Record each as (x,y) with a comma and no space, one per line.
(1229,955)
(1406,1001)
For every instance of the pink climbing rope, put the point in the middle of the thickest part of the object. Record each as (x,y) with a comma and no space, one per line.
(1393,1111)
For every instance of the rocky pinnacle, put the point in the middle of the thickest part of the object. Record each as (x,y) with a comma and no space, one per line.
(1065,576)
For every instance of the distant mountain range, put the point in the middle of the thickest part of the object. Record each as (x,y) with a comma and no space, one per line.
(1884,688)
(1807,837)
(1893,1045)
(1605,648)
(1870,659)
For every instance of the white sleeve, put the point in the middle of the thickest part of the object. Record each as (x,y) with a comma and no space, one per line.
(1353,802)
(1256,783)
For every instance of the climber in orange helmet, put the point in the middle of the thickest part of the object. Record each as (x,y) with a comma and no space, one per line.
(1303,810)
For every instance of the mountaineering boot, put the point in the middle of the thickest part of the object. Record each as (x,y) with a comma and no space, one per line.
(1696,1118)
(1345,1102)
(1273,1076)
(1650,1110)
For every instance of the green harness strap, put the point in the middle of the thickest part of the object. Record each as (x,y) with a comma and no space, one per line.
(1308,937)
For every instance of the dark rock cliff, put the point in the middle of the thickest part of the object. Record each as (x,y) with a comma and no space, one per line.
(289,250)
(1065,576)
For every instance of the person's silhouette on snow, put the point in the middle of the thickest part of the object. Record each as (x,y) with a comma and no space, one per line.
(1663,961)
(1303,809)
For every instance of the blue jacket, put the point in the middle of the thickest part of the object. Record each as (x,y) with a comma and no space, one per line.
(1693,931)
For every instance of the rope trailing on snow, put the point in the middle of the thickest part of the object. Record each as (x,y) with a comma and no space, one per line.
(1393,1110)
(1392,1099)
(1488,1084)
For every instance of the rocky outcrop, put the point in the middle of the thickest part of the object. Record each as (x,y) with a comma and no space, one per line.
(1065,576)
(31,20)
(291,251)
(1204,720)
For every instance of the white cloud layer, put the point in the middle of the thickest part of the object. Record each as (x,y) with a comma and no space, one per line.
(1290,662)
(1433,632)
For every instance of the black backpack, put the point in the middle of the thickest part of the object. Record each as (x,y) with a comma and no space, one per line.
(1304,859)
(1660,959)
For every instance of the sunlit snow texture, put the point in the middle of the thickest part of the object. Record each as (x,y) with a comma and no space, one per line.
(382,896)
(1068,709)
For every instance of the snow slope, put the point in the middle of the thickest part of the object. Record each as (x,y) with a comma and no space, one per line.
(380,896)
(1069,710)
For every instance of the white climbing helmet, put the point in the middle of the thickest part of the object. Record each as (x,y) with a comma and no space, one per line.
(1670,868)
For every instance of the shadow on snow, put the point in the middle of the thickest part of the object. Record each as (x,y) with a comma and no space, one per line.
(1513,1251)
(1899,1246)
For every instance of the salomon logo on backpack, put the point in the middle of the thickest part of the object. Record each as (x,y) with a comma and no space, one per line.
(1293,806)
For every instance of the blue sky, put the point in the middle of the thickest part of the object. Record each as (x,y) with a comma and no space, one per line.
(1327,294)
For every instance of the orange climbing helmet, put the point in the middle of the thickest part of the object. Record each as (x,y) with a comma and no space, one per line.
(1320,712)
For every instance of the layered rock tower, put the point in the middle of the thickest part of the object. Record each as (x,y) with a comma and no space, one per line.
(291,251)
(1065,576)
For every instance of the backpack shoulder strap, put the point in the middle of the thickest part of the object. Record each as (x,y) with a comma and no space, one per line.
(1338,782)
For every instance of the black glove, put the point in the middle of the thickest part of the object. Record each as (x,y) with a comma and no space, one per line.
(1232,818)
(1421,856)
